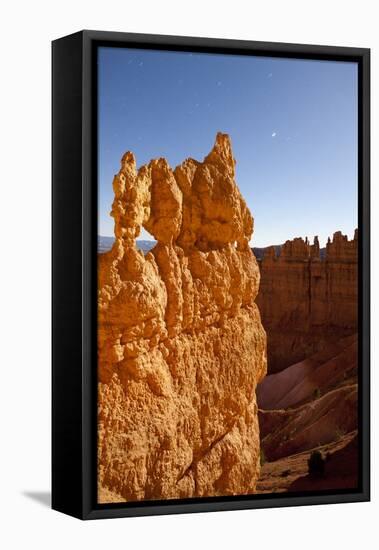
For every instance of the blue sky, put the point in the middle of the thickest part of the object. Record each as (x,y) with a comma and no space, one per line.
(293,125)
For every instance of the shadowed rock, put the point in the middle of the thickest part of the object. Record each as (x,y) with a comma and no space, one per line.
(308,302)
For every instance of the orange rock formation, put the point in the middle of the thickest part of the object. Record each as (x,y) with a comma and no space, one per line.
(181,345)
(307,302)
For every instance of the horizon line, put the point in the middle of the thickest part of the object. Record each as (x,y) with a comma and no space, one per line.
(255,245)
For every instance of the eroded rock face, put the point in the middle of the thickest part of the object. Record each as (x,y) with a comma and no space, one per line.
(181,345)
(307,302)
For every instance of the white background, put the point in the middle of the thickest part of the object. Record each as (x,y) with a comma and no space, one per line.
(26,31)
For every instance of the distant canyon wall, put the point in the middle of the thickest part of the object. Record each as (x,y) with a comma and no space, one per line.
(180,341)
(307,302)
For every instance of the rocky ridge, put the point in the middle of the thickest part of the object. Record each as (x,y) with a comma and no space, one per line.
(308,302)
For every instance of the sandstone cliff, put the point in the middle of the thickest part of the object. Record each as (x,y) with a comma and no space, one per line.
(181,345)
(307,302)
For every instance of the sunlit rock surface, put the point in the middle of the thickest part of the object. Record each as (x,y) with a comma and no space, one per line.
(180,340)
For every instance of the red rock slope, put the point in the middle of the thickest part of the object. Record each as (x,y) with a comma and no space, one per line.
(308,406)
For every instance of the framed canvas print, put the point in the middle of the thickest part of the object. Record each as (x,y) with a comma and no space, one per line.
(210,275)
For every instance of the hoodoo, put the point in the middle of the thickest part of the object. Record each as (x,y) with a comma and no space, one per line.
(181,344)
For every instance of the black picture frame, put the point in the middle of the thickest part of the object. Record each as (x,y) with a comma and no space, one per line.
(74,206)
